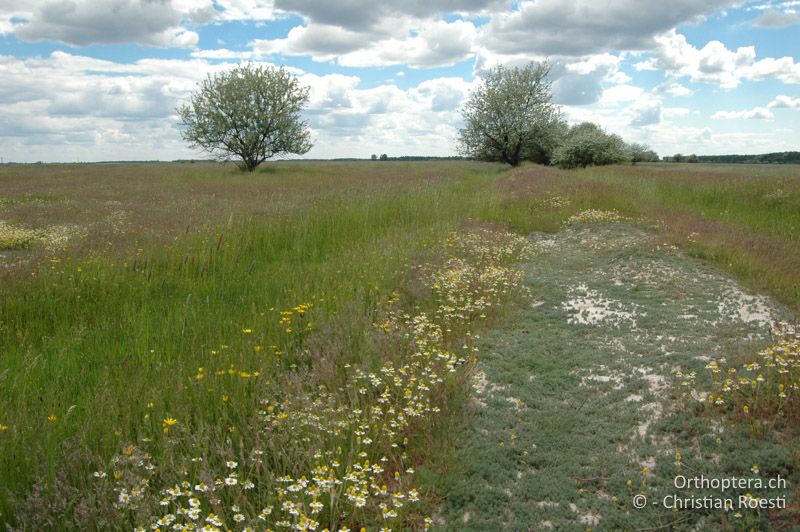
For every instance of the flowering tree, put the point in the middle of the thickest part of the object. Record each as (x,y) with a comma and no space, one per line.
(251,112)
(510,117)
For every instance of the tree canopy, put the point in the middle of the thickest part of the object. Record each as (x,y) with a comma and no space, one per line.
(250,112)
(587,144)
(510,117)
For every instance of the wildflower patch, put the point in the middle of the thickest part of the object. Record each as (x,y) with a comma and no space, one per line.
(53,238)
(333,456)
(590,216)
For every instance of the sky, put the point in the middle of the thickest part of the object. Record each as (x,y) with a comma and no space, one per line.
(99,80)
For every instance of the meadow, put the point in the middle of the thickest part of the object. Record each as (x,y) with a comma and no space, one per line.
(183,341)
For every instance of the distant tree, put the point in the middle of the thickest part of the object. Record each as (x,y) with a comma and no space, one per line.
(587,144)
(692,159)
(250,112)
(374,157)
(678,158)
(640,153)
(510,117)
(384,157)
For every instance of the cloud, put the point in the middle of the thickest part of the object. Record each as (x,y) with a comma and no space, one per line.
(784,69)
(146,22)
(433,44)
(784,102)
(366,16)
(757,113)
(83,22)
(776,19)
(716,64)
(674,88)
(675,112)
(92,109)
(241,9)
(575,89)
(441,94)
(621,93)
(645,112)
(583,27)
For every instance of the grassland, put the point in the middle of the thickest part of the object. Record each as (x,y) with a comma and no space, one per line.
(146,294)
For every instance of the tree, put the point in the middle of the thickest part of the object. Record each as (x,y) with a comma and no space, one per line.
(641,153)
(251,112)
(374,157)
(384,157)
(510,117)
(588,144)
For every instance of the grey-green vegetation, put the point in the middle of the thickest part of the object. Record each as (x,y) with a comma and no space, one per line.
(577,407)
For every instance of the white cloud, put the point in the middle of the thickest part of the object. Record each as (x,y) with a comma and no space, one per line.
(245,9)
(621,93)
(757,113)
(648,65)
(674,88)
(620,78)
(716,64)
(93,109)
(645,111)
(675,112)
(784,102)
(433,43)
(784,69)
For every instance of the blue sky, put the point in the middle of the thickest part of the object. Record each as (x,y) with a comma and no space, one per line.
(89,80)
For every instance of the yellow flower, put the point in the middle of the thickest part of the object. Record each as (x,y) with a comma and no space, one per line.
(247,331)
(52,418)
(3,427)
(169,421)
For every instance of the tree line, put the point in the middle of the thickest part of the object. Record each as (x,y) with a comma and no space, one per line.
(253,113)
(511,118)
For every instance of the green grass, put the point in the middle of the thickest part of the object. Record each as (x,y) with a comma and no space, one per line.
(93,341)
(176,261)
